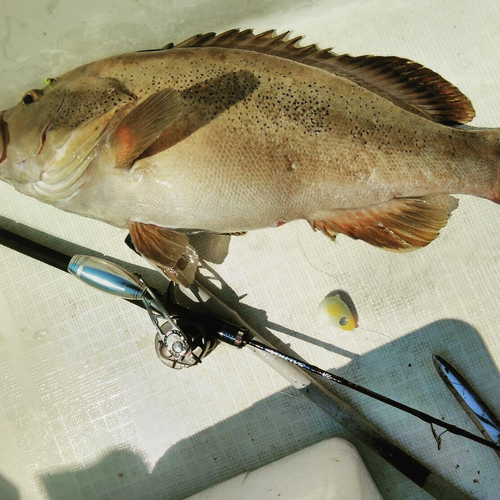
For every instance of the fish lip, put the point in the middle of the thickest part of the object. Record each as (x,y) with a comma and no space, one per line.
(4,137)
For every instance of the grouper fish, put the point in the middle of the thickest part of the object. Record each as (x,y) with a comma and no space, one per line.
(234,132)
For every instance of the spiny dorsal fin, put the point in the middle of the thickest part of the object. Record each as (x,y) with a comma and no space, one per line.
(406,83)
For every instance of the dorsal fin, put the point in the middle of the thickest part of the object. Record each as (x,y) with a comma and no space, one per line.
(405,83)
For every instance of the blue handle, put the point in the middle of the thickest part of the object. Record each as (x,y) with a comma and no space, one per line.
(107,277)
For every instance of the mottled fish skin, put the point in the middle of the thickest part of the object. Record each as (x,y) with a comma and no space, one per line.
(261,140)
(301,144)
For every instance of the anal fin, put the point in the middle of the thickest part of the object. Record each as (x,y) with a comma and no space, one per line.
(168,250)
(401,225)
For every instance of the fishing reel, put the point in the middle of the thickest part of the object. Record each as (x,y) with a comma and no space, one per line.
(183,337)
(198,333)
(183,346)
(183,340)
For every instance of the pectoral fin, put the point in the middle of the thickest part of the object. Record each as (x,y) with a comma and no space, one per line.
(168,250)
(144,124)
(402,224)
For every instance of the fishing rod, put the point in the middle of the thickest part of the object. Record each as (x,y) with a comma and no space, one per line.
(184,336)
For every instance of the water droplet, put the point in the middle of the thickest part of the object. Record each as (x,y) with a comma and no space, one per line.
(41,335)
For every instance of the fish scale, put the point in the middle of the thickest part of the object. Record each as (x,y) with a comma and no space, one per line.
(237,132)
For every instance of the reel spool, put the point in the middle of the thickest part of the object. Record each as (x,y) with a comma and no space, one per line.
(185,346)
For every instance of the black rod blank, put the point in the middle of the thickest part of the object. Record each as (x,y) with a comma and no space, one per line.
(35,250)
(375,395)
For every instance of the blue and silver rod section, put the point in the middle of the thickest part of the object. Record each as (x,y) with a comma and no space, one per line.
(108,277)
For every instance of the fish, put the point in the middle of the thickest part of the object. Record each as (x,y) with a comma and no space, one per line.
(240,131)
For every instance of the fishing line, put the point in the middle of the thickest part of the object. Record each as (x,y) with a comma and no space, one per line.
(337,280)
(371,330)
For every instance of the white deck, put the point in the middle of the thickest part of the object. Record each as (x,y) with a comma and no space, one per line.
(86,409)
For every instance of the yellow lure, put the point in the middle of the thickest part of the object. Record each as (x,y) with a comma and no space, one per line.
(334,311)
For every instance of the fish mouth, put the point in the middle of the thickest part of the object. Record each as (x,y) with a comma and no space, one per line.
(4,138)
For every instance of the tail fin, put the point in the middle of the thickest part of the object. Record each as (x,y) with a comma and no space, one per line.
(496,189)
(486,173)
(493,137)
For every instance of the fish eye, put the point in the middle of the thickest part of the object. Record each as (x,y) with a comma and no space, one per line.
(31,96)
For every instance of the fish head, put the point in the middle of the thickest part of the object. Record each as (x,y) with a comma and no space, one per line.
(55,130)
(22,131)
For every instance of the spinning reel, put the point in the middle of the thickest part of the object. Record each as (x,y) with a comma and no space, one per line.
(183,336)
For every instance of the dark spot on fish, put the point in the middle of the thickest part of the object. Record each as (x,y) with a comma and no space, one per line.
(290,165)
